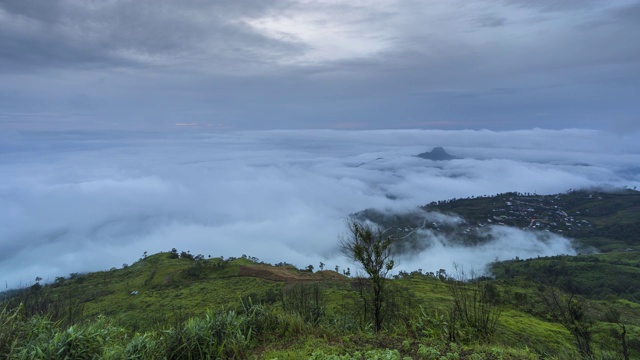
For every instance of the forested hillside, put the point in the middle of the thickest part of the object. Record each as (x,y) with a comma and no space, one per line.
(604,220)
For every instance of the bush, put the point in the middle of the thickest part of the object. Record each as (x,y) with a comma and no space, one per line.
(214,336)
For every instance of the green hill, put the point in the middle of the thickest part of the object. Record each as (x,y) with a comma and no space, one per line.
(604,220)
(179,306)
(306,312)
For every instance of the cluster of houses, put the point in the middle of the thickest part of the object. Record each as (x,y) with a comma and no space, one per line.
(541,213)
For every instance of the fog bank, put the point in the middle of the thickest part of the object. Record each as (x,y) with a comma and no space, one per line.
(86,201)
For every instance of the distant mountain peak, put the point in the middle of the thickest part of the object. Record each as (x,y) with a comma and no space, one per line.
(437,154)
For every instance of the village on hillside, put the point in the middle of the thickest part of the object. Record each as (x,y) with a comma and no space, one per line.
(575,214)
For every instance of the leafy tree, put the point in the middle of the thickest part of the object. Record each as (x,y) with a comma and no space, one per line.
(186,255)
(371,250)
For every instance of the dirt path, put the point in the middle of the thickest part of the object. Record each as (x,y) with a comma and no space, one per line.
(287,274)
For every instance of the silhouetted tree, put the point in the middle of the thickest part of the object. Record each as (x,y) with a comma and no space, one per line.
(369,248)
(186,255)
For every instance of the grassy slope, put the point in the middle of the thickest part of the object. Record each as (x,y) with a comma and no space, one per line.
(614,275)
(169,290)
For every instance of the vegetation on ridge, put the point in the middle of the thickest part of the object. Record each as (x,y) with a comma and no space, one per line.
(598,220)
(176,305)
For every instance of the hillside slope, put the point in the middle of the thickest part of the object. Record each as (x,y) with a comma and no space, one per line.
(606,221)
(318,315)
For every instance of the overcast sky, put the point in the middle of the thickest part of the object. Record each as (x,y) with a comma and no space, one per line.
(234,111)
(298,64)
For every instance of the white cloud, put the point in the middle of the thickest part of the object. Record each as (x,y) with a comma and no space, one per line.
(78,202)
(508,243)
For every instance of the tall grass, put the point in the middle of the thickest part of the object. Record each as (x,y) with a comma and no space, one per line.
(46,340)
(226,334)
(12,330)
(230,334)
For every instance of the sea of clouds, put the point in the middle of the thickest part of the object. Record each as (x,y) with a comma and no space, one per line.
(87,201)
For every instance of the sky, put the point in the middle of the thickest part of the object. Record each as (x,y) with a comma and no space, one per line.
(297,64)
(80,201)
(255,127)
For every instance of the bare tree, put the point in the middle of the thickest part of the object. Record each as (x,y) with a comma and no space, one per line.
(571,311)
(613,316)
(474,304)
(371,250)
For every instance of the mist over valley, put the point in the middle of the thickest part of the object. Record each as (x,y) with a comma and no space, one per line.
(86,201)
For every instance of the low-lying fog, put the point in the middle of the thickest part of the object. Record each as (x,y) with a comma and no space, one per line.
(78,202)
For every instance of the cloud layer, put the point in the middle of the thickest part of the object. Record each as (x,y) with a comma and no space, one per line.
(249,64)
(508,243)
(84,201)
